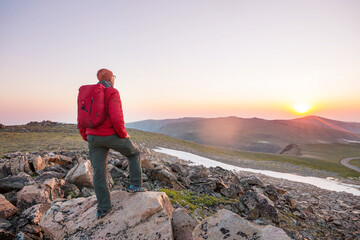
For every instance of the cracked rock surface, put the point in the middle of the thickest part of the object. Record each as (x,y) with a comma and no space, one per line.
(133,216)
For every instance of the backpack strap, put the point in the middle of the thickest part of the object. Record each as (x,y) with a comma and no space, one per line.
(106,84)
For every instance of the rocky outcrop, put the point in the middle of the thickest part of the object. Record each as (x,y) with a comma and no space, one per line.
(133,216)
(20,164)
(40,193)
(28,222)
(163,174)
(70,190)
(34,214)
(228,225)
(291,150)
(4,168)
(6,208)
(42,124)
(17,182)
(117,173)
(38,162)
(183,224)
(81,174)
(260,206)
(48,175)
(250,181)
(55,168)
(58,159)
(301,210)
(198,172)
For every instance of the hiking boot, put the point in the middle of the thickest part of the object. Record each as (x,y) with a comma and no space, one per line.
(134,188)
(101,213)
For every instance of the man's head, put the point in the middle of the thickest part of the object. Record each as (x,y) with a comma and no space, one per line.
(106,75)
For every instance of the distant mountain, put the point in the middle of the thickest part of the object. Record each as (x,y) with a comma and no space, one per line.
(155,125)
(353,127)
(254,134)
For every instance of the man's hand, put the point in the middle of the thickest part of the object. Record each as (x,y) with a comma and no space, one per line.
(127,136)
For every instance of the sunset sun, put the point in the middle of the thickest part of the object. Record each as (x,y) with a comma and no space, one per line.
(301,108)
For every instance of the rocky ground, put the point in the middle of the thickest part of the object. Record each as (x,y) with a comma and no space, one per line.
(50,196)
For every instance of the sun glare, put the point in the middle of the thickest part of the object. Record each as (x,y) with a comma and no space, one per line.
(301,108)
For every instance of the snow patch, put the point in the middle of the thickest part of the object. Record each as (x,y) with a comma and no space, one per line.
(329,184)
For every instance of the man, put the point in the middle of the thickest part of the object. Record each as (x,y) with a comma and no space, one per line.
(110,134)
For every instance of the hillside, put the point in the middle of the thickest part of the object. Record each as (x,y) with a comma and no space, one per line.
(42,137)
(254,134)
(46,192)
(353,127)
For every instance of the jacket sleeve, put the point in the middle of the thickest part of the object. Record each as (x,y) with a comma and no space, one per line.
(82,132)
(116,114)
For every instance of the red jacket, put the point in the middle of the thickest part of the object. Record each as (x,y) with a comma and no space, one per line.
(114,121)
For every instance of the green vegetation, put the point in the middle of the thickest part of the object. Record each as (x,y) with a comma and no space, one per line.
(155,139)
(193,201)
(40,141)
(65,137)
(41,138)
(332,152)
(355,162)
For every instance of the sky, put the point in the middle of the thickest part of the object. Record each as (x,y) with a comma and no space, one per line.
(198,58)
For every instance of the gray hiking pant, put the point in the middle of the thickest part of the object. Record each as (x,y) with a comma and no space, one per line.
(98,151)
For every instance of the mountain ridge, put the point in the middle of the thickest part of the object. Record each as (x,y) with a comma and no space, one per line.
(254,134)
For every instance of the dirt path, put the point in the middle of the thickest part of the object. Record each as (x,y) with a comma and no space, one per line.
(346,163)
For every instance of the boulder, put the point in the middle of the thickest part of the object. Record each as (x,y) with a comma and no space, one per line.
(11,197)
(179,169)
(48,175)
(58,159)
(271,192)
(19,164)
(6,208)
(133,216)
(117,173)
(252,180)
(232,191)
(4,168)
(34,214)
(164,175)
(81,174)
(203,187)
(70,190)
(15,182)
(183,224)
(40,193)
(38,162)
(260,205)
(228,225)
(55,168)
(291,201)
(198,172)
